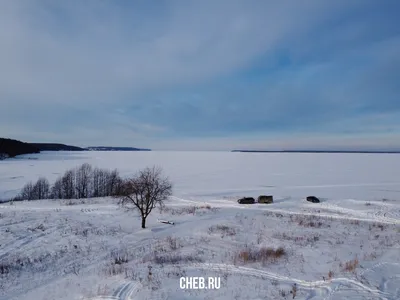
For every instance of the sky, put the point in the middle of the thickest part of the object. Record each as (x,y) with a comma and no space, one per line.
(202,75)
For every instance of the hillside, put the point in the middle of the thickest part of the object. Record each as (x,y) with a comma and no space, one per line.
(316,151)
(12,148)
(56,147)
(103,148)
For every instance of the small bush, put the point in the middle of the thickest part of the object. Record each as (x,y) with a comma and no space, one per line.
(330,275)
(260,255)
(173,243)
(4,269)
(307,221)
(115,269)
(350,266)
(294,290)
(176,259)
(187,210)
(39,227)
(224,230)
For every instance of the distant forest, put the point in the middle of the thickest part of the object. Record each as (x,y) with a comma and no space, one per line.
(12,148)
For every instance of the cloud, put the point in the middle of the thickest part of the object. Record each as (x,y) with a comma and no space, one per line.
(89,51)
(136,72)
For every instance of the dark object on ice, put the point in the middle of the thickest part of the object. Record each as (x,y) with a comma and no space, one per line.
(166,222)
(313,199)
(266,199)
(247,200)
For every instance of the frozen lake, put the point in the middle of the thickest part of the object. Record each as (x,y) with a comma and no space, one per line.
(212,175)
(346,247)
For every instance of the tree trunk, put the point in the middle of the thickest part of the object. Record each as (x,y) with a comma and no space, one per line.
(143,222)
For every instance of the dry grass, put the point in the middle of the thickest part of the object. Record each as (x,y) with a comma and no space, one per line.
(172,258)
(173,243)
(330,274)
(350,266)
(377,225)
(224,230)
(189,210)
(4,269)
(294,290)
(263,255)
(308,221)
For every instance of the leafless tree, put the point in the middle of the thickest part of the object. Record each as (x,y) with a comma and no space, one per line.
(26,192)
(68,184)
(41,189)
(57,189)
(148,189)
(82,183)
(113,183)
(97,182)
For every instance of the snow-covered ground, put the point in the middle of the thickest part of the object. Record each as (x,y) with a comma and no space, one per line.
(346,247)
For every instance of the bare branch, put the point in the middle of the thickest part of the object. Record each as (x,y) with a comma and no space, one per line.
(147,190)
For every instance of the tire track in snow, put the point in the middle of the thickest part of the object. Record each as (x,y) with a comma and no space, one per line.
(22,241)
(324,286)
(123,292)
(384,215)
(371,217)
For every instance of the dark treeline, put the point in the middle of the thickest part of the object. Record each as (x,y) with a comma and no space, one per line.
(56,147)
(81,182)
(12,148)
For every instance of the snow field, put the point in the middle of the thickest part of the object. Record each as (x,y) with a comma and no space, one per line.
(342,248)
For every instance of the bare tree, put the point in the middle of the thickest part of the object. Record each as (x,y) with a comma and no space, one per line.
(57,189)
(148,189)
(97,183)
(82,180)
(68,184)
(26,192)
(41,189)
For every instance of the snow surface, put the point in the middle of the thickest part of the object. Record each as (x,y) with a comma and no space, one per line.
(51,249)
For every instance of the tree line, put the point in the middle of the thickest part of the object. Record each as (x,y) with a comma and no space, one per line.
(142,192)
(80,182)
(11,148)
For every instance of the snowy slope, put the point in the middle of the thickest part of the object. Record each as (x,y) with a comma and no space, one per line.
(51,250)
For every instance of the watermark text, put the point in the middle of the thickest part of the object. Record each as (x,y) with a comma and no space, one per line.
(200,283)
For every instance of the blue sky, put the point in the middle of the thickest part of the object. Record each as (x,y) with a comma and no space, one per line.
(202,75)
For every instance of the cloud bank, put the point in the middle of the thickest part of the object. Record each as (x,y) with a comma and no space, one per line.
(201,75)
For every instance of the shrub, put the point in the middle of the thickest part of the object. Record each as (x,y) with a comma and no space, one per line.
(176,259)
(223,229)
(260,255)
(330,275)
(350,266)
